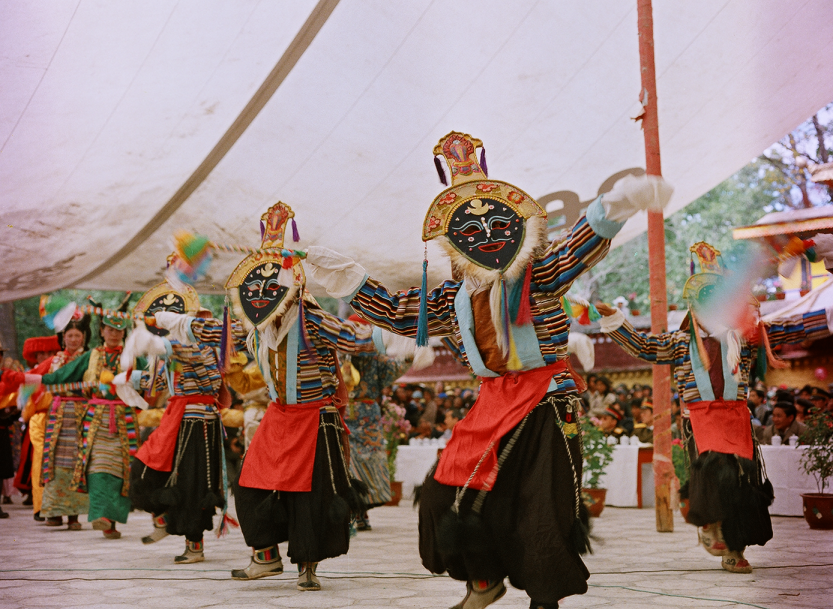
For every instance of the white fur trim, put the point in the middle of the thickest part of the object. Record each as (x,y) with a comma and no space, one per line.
(611,323)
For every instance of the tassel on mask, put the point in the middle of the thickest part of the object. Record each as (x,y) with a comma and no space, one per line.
(771,359)
(698,340)
(440,171)
(422,320)
(295,236)
(303,336)
(483,162)
(523,313)
(225,340)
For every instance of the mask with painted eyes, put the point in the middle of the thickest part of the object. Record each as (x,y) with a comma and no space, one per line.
(486,231)
(261,293)
(267,282)
(169,302)
(490,229)
(163,297)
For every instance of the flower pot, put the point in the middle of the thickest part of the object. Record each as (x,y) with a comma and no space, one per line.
(780,296)
(761,297)
(594,499)
(684,508)
(818,510)
(635,312)
(396,493)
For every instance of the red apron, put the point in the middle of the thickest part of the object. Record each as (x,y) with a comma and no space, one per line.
(503,403)
(282,452)
(722,427)
(158,451)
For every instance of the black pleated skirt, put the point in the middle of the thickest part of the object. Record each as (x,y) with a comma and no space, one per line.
(192,496)
(526,529)
(316,523)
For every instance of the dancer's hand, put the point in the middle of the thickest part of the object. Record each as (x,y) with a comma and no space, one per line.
(605,310)
(824,249)
(635,193)
(336,273)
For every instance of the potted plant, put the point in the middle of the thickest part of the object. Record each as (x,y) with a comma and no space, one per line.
(395,428)
(679,458)
(817,461)
(598,454)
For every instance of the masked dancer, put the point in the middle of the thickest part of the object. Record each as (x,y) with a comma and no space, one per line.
(294,484)
(179,473)
(504,499)
(719,346)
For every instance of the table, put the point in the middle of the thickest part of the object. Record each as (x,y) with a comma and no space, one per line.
(412,465)
(788,479)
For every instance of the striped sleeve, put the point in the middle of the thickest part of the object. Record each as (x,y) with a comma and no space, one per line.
(210,331)
(665,348)
(564,262)
(346,336)
(399,312)
(809,326)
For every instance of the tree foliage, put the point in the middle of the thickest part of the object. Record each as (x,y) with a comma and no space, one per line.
(772,182)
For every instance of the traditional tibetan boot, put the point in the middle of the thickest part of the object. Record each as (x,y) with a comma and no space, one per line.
(712,539)
(73,524)
(481,593)
(38,517)
(193,553)
(111,532)
(100,524)
(734,562)
(160,524)
(54,521)
(3,514)
(363,523)
(307,580)
(538,605)
(264,563)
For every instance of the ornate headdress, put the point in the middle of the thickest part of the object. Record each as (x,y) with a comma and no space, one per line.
(119,323)
(164,297)
(700,286)
(266,283)
(490,229)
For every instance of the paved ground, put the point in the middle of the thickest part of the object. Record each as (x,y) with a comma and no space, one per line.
(633,567)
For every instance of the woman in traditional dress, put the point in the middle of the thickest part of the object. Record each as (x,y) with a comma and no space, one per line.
(55,452)
(719,346)
(368,449)
(106,436)
(504,499)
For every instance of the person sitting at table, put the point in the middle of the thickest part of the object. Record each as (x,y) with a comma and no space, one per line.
(783,424)
(802,408)
(452,417)
(609,423)
(820,399)
(644,430)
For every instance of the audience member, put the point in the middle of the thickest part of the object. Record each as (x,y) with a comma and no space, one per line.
(783,424)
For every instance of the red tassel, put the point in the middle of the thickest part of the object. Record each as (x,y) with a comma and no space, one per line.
(584,318)
(524,308)
(771,358)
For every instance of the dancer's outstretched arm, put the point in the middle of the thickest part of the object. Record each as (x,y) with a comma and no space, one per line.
(664,348)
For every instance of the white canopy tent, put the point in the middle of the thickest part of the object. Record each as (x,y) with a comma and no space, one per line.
(121,122)
(814,300)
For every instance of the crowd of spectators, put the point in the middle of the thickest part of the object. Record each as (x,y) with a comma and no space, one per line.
(432,411)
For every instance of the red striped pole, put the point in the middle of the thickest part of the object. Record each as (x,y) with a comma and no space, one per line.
(663,467)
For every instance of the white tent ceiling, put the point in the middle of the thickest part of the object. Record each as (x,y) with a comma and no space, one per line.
(123,121)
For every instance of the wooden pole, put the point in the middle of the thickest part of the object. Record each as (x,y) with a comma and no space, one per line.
(663,467)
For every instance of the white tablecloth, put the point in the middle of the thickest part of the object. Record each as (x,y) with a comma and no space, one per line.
(788,479)
(619,477)
(412,465)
